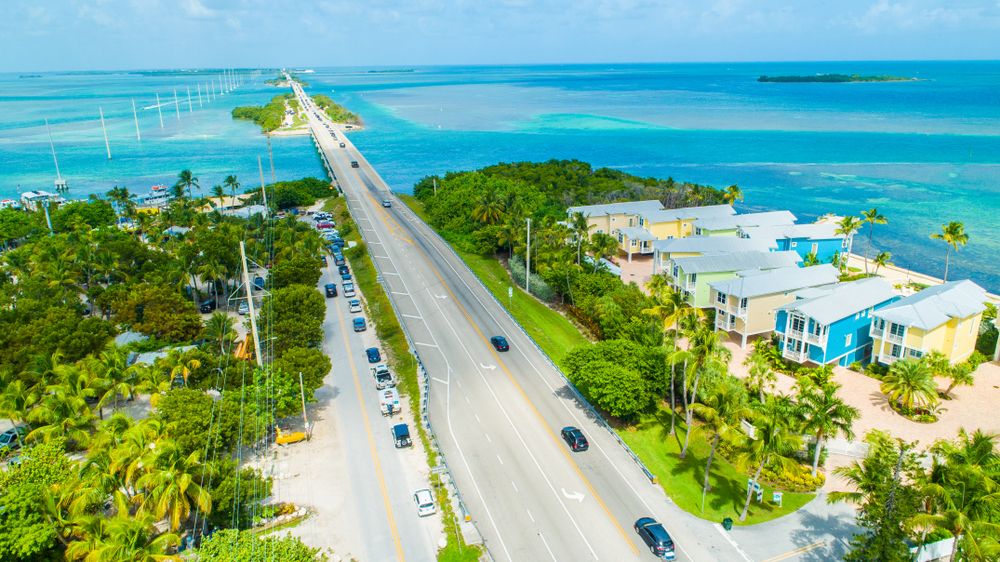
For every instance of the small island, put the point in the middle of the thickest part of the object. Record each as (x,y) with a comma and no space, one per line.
(384,71)
(836,78)
(284,116)
(30,76)
(283,83)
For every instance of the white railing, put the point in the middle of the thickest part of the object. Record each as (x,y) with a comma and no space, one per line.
(797,356)
(797,334)
(817,339)
(887,359)
(691,286)
(885,336)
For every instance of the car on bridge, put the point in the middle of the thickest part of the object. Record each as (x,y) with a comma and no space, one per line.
(575,439)
(342,145)
(386,203)
(354,164)
(499,343)
(656,538)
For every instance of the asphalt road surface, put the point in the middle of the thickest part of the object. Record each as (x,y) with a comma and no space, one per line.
(498,415)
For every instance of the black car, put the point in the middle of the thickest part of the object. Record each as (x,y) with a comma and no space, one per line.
(207,306)
(575,439)
(373,355)
(343,270)
(354,164)
(500,343)
(339,260)
(656,537)
(342,145)
(331,290)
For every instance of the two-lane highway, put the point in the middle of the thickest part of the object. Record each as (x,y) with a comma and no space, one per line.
(498,415)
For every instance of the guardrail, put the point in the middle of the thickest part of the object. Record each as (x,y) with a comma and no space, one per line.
(423,380)
(652,477)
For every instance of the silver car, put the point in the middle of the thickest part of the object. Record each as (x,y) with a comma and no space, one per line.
(355,305)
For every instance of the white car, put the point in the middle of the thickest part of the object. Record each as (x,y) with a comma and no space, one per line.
(425,502)
(244,308)
(355,305)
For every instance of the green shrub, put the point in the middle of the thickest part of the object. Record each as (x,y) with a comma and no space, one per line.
(977,359)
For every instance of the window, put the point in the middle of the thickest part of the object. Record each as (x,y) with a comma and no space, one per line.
(915,353)
(786,294)
(697,232)
(621,238)
(677,271)
(612,219)
(670,237)
(895,350)
(692,278)
(794,244)
(857,315)
(600,231)
(897,330)
(642,221)
(971,326)
(632,243)
(720,298)
(815,249)
(798,323)
(847,339)
(743,303)
(631,221)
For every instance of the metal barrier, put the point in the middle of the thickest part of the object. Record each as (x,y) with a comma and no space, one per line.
(652,477)
(423,380)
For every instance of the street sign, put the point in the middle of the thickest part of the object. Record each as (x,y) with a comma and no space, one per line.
(510,292)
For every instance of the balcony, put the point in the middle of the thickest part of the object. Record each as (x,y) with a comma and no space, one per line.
(793,333)
(886,359)
(885,336)
(691,286)
(816,339)
(797,356)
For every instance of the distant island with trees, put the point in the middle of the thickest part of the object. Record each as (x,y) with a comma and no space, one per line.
(836,78)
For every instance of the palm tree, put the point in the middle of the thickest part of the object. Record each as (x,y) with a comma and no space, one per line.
(772,441)
(219,328)
(62,414)
(217,193)
(489,208)
(959,375)
(579,223)
(847,226)
(679,357)
(954,236)
(186,179)
(871,218)
(126,539)
(733,194)
(811,259)
(723,411)
(170,485)
(966,502)
(760,374)
(112,368)
(603,245)
(16,399)
(706,347)
(232,184)
(910,383)
(882,260)
(176,366)
(825,414)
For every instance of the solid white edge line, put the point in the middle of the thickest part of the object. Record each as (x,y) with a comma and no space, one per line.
(726,536)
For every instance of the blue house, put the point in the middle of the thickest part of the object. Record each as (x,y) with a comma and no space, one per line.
(831,324)
(818,238)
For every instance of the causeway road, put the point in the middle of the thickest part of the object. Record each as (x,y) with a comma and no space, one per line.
(498,415)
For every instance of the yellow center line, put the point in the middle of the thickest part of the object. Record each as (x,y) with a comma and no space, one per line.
(796,552)
(371,440)
(386,219)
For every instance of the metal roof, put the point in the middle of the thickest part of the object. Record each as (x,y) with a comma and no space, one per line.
(830,303)
(737,261)
(625,207)
(934,306)
(821,231)
(712,245)
(771,218)
(754,283)
(637,233)
(670,215)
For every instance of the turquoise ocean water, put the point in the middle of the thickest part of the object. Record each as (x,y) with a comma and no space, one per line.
(923,152)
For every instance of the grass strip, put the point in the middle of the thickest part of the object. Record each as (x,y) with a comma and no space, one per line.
(682,479)
(397,354)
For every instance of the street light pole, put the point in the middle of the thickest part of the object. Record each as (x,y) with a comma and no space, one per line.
(527,262)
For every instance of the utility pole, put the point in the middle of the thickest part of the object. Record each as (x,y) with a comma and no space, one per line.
(158,110)
(190,107)
(253,319)
(106,145)
(45,205)
(199,95)
(435,188)
(305,420)
(263,190)
(53,146)
(274,178)
(527,262)
(177,107)
(136,116)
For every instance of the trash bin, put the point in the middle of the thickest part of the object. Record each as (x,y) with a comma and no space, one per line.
(727,524)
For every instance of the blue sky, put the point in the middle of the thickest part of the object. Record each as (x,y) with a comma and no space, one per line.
(44,35)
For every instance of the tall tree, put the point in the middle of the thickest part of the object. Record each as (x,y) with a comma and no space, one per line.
(187,180)
(871,217)
(722,410)
(847,226)
(953,234)
(732,194)
(882,260)
(772,441)
(580,224)
(232,183)
(825,414)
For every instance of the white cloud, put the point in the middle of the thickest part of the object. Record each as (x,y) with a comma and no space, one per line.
(195,9)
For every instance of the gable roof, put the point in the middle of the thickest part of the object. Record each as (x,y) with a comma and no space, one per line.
(830,303)
(670,215)
(821,231)
(755,283)
(934,306)
(737,261)
(624,207)
(771,218)
(637,233)
(712,245)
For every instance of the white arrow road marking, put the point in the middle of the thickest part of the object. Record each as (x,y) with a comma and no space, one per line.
(490,367)
(440,296)
(439,380)
(574,495)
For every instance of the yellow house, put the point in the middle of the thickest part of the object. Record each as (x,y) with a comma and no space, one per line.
(612,216)
(944,318)
(665,224)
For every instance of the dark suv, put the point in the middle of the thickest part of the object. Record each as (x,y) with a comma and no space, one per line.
(575,439)
(331,290)
(656,537)
(207,306)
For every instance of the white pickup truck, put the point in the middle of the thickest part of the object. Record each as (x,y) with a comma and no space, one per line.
(383,378)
